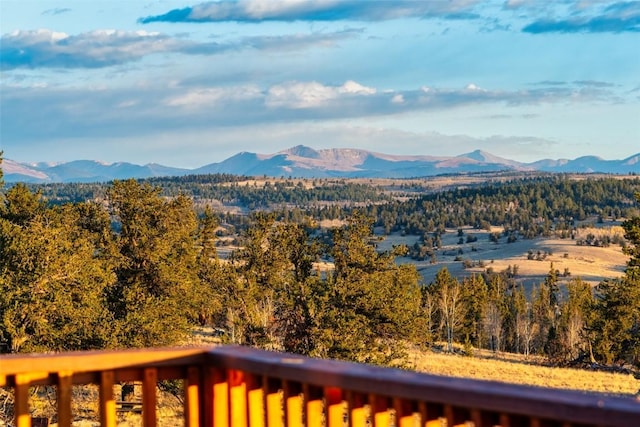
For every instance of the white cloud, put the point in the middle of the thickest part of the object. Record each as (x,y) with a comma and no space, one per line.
(397,99)
(354,87)
(312,94)
(473,88)
(207,97)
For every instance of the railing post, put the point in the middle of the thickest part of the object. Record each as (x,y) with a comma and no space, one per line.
(107,402)
(238,398)
(192,388)
(380,411)
(22,413)
(293,404)
(273,403)
(63,395)
(149,383)
(255,401)
(357,404)
(220,390)
(334,406)
(405,414)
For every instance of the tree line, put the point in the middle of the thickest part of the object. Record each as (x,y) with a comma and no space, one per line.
(525,208)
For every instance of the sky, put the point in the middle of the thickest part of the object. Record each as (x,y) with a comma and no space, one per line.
(185,83)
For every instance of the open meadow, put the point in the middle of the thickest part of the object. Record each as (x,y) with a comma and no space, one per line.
(515,369)
(532,257)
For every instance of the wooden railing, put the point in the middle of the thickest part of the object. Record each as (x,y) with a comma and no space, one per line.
(231,386)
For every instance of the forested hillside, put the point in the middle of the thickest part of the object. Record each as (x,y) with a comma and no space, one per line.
(134,264)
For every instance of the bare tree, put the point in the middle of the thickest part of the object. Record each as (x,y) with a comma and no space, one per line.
(451,309)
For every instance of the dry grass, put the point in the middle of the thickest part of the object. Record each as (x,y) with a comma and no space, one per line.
(514,369)
(591,264)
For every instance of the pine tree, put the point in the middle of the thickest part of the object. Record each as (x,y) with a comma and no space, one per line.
(53,276)
(617,308)
(156,272)
(371,302)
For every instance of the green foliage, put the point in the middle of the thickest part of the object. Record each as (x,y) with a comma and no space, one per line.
(52,279)
(371,301)
(156,265)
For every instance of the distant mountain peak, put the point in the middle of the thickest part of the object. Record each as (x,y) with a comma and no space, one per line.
(302,151)
(485,157)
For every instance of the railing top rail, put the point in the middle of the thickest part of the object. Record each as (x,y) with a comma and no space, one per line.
(103,360)
(539,402)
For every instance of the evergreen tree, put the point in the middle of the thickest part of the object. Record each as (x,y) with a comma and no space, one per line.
(617,306)
(156,265)
(52,277)
(371,301)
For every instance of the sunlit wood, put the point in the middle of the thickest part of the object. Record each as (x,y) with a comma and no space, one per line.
(107,401)
(313,406)
(63,395)
(274,406)
(192,398)
(358,411)
(335,407)
(255,400)
(23,415)
(149,384)
(238,398)
(220,398)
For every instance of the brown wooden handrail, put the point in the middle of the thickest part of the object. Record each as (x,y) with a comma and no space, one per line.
(231,386)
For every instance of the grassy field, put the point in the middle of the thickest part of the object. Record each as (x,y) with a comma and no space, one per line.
(510,368)
(590,263)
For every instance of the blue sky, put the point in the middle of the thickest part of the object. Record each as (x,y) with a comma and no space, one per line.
(186,83)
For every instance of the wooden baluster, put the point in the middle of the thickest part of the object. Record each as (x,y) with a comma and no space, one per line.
(192,397)
(107,401)
(431,416)
(380,411)
(405,414)
(273,403)
(255,401)
(149,384)
(293,404)
(358,411)
(482,418)
(456,417)
(314,405)
(334,408)
(238,398)
(22,413)
(63,395)
(220,397)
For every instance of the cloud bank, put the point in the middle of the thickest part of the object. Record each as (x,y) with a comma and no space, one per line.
(615,18)
(316,10)
(77,112)
(104,48)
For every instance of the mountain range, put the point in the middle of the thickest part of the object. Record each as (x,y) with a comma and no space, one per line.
(306,162)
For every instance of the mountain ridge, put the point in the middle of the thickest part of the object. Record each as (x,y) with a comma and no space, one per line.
(305,162)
